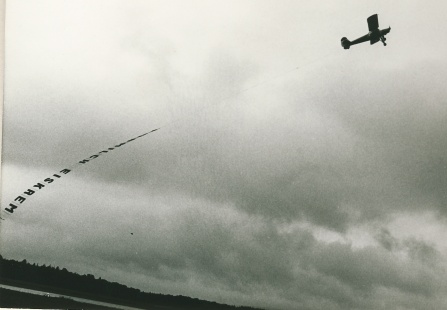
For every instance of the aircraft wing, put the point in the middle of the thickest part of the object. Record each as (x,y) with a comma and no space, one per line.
(373,22)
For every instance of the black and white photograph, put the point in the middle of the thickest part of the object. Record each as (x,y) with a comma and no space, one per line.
(224,154)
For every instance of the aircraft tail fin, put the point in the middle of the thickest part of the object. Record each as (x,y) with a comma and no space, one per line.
(345,43)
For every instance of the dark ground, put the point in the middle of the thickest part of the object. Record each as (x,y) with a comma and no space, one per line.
(58,280)
(14,299)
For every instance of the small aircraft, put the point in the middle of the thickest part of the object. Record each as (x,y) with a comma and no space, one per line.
(373,36)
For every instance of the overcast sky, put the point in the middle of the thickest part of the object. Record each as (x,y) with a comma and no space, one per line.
(288,173)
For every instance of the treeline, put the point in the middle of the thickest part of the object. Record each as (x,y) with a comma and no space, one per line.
(87,286)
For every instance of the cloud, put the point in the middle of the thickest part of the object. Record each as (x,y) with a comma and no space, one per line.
(387,240)
(282,150)
(216,251)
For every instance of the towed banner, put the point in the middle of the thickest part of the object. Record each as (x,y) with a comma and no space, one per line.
(40,185)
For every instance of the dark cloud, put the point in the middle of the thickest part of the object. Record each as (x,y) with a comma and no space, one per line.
(417,250)
(377,156)
(192,245)
(387,240)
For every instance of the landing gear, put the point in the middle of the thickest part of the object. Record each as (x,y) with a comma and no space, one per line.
(383,39)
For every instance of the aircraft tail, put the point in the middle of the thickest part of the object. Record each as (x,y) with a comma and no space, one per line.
(345,43)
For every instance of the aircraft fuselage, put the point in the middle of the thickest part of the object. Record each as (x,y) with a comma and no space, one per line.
(372,36)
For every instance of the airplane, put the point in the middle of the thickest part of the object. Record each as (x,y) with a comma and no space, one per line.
(373,36)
